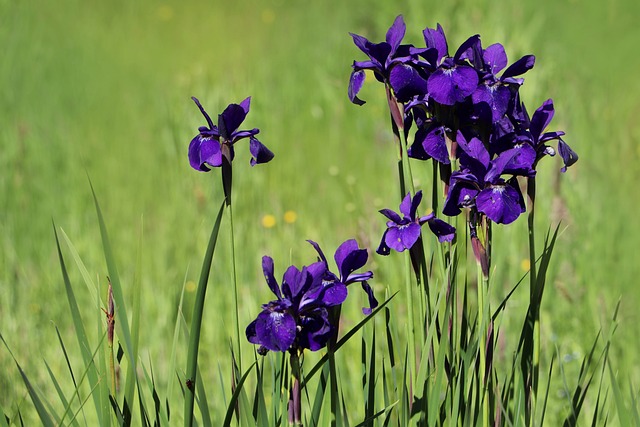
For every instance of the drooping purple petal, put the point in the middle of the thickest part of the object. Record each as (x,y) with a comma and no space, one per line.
(434,143)
(491,101)
(259,152)
(416,151)
(450,85)
(355,84)
(406,82)
(403,237)
(275,330)
(383,248)
(443,231)
(315,330)
(461,194)
(568,155)
(333,294)
(373,302)
(210,152)
(250,332)
(393,216)
(519,67)
(501,203)
(194,155)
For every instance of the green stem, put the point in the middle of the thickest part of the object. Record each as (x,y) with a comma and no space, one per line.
(483,310)
(532,350)
(235,288)
(196,323)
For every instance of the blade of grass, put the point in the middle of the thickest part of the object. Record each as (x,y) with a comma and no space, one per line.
(59,391)
(198,308)
(45,417)
(122,322)
(343,340)
(235,396)
(203,403)
(131,379)
(81,335)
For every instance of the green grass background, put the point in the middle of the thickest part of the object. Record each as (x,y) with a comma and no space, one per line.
(102,89)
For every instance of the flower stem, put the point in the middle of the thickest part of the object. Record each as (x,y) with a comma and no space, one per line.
(294,406)
(235,288)
(531,349)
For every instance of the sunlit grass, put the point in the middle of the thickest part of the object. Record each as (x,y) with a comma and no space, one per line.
(103,90)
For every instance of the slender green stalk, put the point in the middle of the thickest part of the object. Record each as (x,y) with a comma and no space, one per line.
(196,323)
(235,288)
(532,357)
(483,311)
(410,322)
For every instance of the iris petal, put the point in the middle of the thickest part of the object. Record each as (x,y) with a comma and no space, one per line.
(502,204)
(275,330)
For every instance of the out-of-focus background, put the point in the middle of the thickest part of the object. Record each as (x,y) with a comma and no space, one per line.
(102,90)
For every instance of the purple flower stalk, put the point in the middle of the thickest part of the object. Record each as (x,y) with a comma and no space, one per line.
(403,231)
(212,142)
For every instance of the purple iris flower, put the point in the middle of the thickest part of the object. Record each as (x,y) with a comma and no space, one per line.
(349,258)
(206,148)
(388,60)
(538,138)
(298,318)
(403,232)
(479,183)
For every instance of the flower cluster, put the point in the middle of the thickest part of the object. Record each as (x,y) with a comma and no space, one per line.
(466,108)
(299,318)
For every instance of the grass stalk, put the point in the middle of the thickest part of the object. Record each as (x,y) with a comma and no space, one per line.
(234,278)
(196,323)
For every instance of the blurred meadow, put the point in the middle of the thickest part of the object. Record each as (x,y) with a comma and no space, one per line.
(101,90)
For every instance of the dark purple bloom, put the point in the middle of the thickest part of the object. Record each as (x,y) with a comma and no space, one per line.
(298,318)
(479,183)
(403,231)
(206,148)
(349,258)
